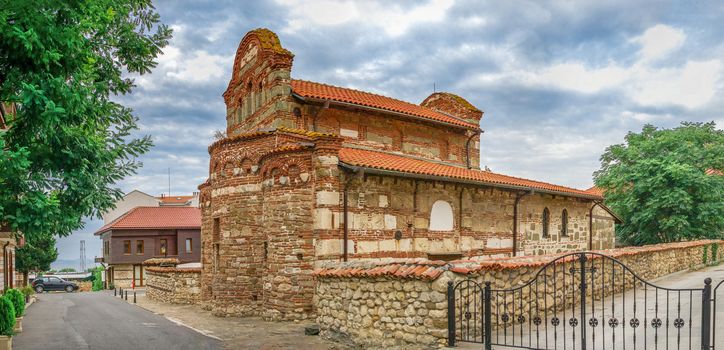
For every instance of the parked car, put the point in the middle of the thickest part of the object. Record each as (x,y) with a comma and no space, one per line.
(50,283)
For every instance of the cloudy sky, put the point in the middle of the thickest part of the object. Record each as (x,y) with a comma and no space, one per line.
(559,81)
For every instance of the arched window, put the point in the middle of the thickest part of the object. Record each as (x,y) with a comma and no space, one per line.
(546,222)
(564,223)
(259,96)
(441,216)
(250,99)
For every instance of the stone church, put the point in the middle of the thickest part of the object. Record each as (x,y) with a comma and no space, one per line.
(310,172)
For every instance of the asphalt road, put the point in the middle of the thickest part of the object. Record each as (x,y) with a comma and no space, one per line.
(99,321)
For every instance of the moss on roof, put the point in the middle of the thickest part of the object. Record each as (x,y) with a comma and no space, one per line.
(269,40)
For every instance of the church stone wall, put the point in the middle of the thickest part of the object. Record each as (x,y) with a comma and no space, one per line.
(381,132)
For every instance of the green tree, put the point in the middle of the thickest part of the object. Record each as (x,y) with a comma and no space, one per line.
(61,64)
(37,254)
(67,269)
(660,182)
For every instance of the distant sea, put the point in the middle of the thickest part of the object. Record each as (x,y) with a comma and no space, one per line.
(74,263)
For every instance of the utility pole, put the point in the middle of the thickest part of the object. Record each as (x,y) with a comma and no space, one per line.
(82,255)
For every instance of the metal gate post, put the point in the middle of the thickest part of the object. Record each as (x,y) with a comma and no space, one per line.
(450,314)
(583,300)
(486,309)
(706,315)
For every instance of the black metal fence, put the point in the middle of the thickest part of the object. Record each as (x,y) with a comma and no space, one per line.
(583,301)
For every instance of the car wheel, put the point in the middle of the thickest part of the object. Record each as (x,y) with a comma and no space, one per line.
(69,289)
(38,289)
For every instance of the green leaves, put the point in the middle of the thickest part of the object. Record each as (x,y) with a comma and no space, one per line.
(657,182)
(62,62)
(37,254)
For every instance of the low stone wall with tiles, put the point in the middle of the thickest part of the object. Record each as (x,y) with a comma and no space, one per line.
(173,285)
(403,304)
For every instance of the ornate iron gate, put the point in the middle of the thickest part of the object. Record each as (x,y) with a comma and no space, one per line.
(582,301)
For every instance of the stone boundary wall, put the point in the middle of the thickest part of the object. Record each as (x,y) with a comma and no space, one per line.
(403,304)
(173,285)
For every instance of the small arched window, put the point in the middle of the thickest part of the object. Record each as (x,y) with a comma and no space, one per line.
(250,99)
(441,216)
(259,96)
(546,222)
(564,223)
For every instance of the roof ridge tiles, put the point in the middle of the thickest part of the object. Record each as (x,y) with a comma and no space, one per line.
(402,163)
(324,91)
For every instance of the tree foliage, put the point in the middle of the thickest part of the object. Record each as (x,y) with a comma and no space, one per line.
(657,181)
(61,64)
(37,254)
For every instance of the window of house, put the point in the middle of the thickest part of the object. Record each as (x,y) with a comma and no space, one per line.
(564,223)
(106,248)
(139,247)
(546,222)
(163,246)
(441,216)
(127,247)
(188,245)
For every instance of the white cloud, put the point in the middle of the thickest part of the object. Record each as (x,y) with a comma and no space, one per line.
(393,19)
(659,41)
(692,84)
(645,117)
(194,67)
(577,77)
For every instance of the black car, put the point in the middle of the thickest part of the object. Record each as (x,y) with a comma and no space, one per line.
(49,283)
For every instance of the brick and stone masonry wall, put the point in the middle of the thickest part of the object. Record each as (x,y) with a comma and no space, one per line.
(173,285)
(403,303)
(122,275)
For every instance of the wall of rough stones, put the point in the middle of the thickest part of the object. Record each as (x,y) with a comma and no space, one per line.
(403,303)
(173,285)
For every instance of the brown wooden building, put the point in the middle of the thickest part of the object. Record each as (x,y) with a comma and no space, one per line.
(143,233)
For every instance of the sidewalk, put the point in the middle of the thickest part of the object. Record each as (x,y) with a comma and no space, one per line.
(239,332)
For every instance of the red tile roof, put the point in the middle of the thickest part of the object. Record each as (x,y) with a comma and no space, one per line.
(714,172)
(146,218)
(321,91)
(409,268)
(404,164)
(432,269)
(595,190)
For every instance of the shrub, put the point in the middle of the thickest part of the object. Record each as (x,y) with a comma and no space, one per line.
(18,300)
(97,281)
(27,290)
(7,316)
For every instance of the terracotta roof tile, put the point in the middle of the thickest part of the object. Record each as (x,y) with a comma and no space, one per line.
(408,268)
(424,269)
(321,91)
(714,172)
(400,163)
(595,190)
(145,218)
